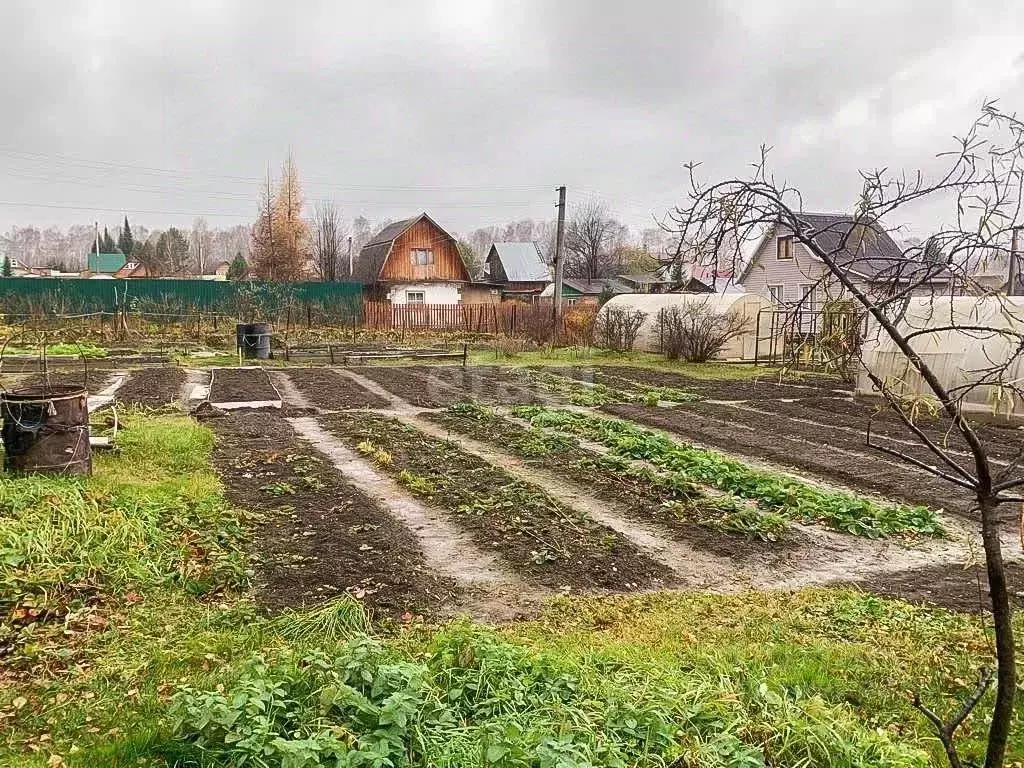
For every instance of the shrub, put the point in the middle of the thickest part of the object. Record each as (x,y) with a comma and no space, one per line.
(578,324)
(617,328)
(696,332)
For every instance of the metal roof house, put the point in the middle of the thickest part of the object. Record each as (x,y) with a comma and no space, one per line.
(517,268)
(415,261)
(105,263)
(576,291)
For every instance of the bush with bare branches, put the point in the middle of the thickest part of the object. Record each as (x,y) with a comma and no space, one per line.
(617,328)
(696,332)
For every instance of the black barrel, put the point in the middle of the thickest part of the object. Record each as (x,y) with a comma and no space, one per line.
(46,430)
(253,339)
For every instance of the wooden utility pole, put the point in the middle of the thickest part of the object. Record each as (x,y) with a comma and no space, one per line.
(559,262)
(270,227)
(1014,276)
(350,256)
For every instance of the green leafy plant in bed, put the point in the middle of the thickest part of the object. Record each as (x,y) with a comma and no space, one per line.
(787,496)
(676,497)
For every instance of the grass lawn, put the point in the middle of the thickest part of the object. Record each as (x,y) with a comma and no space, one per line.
(130,638)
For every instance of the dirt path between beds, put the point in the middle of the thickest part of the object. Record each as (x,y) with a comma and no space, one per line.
(493,592)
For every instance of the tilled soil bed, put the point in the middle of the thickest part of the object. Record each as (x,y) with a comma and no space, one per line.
(684,510)
(333,391)
(780,446)
(236,385)
(761,388)
(487,383)
(544,541)
(152,387)
(950,586)
(1003,441)
(319,536)
(411,384)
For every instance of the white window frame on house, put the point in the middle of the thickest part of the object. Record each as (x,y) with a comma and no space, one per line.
(415,297)
(784,248)
(778,294)
(570,301)
(421,257)
(809,297)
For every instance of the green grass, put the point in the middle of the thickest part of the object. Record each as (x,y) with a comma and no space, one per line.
(157,668)
(786,496)
(76,349)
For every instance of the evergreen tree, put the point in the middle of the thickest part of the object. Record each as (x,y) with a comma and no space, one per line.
(125,241)
(107,244)
(238,268)
(7,267)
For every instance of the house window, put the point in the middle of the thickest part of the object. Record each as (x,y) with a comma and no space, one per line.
(422,256)
(785,248)
(572,301)
(778,294)
(808,298)
(414,297)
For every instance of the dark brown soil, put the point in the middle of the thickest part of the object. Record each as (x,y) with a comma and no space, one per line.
(319,536)
(152,387)
(235,385)
(332,391)
(762,388)
(1003,442)
(948,586)
(486,383)
(544,541)
(96,380)
(788,448)
(683,510)
(411,385)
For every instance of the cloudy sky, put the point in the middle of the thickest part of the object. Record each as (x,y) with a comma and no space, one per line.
(476,110)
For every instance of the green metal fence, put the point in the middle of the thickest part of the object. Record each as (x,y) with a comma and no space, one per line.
(47,297)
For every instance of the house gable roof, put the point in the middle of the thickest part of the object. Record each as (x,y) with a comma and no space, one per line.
(106,262)
(869,253)
(521,262)
(372,256)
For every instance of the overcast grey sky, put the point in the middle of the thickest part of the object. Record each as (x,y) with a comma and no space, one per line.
(476,110)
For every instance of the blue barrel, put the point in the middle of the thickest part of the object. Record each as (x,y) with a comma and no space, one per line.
(253,339)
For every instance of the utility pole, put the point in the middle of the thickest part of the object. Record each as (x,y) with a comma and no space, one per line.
(350,256)
(1014,276)
(559,262)
(270,227)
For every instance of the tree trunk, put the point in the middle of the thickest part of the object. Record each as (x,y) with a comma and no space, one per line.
(1002,617)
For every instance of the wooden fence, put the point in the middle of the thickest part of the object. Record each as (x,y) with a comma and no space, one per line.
(508,318)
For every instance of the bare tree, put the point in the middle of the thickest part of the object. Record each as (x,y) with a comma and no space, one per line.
(328,240)
(199,244)
(591,235)
(982,178)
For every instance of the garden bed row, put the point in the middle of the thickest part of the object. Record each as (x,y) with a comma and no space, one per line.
(786,496)
(540,539)
(152,387)
(806,449)
(333,391)
(320,535)
(241,385)
(668,499)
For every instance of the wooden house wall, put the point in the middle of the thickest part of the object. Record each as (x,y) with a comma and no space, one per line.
(423,234)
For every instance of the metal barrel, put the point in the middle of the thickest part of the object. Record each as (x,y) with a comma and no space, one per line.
(253,339)
(46,430)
